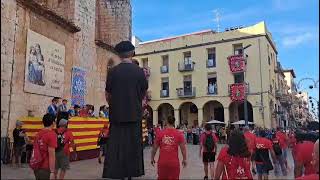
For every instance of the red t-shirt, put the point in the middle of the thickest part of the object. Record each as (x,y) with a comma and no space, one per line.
(203,139)
(228,160)
(265,145)
(251,140)
(303,155)
(47,138)
(309,177)
(292,140)
(169,140)
(156,131)
(104,133)
(68,138)
(282,137)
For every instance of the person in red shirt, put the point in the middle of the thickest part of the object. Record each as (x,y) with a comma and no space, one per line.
(303,156)
(315,163)
(102,141)
(251,143)
(262,159)
(234,159)
(65,141)
(47,141)
(208,156)
(283,140)
(169,140)
(279,160)
(157,129)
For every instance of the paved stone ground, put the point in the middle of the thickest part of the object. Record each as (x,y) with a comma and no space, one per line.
(90,169)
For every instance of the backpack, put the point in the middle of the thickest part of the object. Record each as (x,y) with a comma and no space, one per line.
(60,141)
(238,168)
(36,156)
(209,143)
(276,148)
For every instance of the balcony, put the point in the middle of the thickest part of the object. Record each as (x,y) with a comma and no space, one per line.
(164,69)
(183,67)
(211,63)
(186,92)
(278,94)
(213,91)
(164,93)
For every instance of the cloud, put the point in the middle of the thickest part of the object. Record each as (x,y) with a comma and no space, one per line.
(295,40)
(292,35)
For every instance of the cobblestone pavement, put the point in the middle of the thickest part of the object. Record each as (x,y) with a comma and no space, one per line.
(90,169)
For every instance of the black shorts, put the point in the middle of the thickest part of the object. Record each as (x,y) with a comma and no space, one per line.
(208,157)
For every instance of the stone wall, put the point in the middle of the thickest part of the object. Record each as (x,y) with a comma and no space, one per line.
(114,20)
(80,50)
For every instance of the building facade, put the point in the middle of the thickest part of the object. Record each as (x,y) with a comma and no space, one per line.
(44,41)
(191,77)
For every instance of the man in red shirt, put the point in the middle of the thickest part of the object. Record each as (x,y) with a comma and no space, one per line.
(65,141)
(47,141)
(283,140)
(169,140)
(315,156)
(303,158)
(251,143)
(208,156)
(262,159)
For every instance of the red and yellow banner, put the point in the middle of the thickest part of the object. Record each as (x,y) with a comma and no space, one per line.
(84,129)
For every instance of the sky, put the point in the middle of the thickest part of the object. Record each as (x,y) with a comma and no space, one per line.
(294,25)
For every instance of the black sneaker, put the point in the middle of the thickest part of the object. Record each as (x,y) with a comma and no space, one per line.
(206,178)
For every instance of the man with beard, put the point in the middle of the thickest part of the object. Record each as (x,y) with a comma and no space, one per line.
(125,88)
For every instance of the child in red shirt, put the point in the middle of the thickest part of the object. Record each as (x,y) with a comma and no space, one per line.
(315,156)
(169,140)
(234,159)
(303,158)
(102,141)
(47,142)
(208,158)
(65,141)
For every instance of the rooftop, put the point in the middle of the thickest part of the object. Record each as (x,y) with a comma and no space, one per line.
(174,37)
(291,71)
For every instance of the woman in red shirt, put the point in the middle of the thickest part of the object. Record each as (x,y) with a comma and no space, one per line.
(234,159)
(169,140)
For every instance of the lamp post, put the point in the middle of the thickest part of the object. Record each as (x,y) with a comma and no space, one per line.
(313,85)
(245,94)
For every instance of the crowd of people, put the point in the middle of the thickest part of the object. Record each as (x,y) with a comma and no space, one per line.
(248,151)
(57,108)
(60,139)
(245,152)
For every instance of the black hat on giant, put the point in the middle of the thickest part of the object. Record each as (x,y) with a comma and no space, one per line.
(124,47)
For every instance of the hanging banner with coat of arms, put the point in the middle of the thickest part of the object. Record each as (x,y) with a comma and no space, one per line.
(237,92)
(78,89)
(237,63)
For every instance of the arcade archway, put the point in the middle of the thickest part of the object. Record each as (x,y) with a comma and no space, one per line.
(188,114)
(164,111)
(213,110)
(236,111)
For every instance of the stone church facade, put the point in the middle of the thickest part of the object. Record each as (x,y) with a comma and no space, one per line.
(88,30)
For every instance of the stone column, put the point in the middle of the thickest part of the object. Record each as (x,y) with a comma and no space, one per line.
(200,117)
(226,115)
(177,117)
(155,117)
